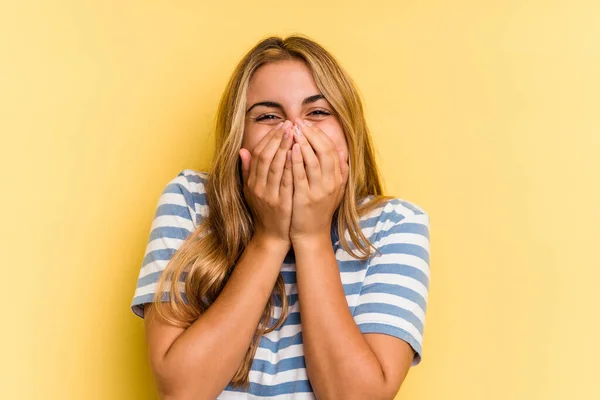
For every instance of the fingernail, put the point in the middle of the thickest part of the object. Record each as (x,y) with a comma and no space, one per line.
(287,124)
(299,121)
(279,125)
(307,122)
(298,131)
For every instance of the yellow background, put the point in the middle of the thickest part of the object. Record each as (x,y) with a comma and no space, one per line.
(486,113)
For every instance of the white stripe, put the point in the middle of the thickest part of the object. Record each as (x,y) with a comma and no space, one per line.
(400,280)
(393,300)
(288,267)
(280,377)
(176,199)
(404,238)
(289,352)
(349,278)
(229,395)
(277,310)
(173,221)
(286,331)
(163,243)
(152,267)
(389,320)
(405,259)
(151,288)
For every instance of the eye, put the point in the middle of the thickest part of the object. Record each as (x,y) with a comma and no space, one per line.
(266,117)
(320,113)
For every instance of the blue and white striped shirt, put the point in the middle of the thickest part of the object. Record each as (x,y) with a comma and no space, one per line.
(387,294)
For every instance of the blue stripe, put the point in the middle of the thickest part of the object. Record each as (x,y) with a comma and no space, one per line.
(171,232)
(388,217)
(413,207)
(375,327)
(389,309)
(349,289)
(395,290)
(399,269)
(158,255)
(138,302)
(287,364)
(406,227)
(199,198)
(269,391)
(178,189)
(352,288)
(289,277)
(405,248)
(173,209)
(351,266)
(193,178)
(292,319)
(282,343)
(154,276)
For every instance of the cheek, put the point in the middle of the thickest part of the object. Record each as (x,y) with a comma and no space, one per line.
(336,134)
(253,134)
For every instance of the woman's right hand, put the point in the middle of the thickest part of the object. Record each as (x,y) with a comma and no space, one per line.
(268,183)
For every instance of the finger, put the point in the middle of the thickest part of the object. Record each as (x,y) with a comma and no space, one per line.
(313,167)
(321,143)
(258,149)
(246,157)
(265,158)
(300,179)
(277,167)
(286,189)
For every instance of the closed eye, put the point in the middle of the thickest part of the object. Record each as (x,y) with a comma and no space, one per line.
(266,117)
(320,112)
(270,117)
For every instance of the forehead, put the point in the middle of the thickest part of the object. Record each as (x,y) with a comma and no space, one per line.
(291,78)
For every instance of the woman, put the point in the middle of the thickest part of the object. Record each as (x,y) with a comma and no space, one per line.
(268,299)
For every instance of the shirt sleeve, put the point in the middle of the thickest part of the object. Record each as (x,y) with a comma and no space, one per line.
(174,220)
(393,297)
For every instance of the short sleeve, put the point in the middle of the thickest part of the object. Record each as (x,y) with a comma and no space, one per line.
(393,297)
(174,220)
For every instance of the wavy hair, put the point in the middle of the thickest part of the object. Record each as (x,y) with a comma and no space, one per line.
(207,257)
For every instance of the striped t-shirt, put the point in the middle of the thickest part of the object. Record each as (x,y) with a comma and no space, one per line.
(387,294)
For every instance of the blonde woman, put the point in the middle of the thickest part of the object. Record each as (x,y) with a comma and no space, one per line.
(248,290)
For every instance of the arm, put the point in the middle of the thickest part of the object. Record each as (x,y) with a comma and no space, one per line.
(341,362)
(198,362)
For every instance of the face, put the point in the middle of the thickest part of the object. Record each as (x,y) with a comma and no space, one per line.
(282,91)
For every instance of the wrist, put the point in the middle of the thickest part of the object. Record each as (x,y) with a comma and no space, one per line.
(271,243)
(311,241)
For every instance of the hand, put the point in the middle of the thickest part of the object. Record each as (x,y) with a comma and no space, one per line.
(268,183)
(320,177)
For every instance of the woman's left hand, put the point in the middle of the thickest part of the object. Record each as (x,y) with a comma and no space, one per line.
(320,175)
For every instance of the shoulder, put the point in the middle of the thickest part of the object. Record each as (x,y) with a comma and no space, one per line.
(190,186)
(394,214)
(192,180)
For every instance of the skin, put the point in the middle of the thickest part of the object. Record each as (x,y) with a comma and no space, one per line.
(294,178)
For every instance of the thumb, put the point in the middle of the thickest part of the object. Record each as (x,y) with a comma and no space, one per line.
(245,156)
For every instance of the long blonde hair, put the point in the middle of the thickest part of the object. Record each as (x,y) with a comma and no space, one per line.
(210,253)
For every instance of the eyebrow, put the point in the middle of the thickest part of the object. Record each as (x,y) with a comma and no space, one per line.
(308,100)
